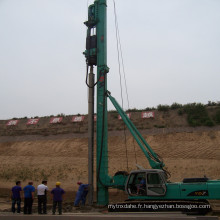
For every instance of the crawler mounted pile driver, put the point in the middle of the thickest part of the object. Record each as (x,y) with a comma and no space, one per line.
(156,187)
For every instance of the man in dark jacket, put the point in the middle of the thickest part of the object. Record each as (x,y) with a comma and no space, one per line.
(16,197)
(57,196)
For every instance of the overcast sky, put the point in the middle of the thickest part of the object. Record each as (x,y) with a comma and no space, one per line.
(171,52)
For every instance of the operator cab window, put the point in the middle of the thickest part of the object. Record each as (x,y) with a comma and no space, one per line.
(137,184)
(155,185)
(154,178)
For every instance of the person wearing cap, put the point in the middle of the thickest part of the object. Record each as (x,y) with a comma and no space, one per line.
(28,197)
(42,190)
(81,194)
(57,196)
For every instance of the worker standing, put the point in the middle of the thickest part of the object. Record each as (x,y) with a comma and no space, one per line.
(81,194)
(42,190)
(57,196)
(16,197)
(28,197)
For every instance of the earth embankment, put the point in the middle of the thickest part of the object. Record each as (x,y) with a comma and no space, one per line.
(187,152)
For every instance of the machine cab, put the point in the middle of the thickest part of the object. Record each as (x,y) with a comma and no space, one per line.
(146,183)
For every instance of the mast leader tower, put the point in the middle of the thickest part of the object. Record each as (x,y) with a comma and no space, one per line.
(96,55)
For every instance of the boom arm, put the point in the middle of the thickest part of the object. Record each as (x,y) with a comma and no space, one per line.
(152,157)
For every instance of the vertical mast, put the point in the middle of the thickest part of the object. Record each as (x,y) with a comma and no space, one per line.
(96,54)
(102,129)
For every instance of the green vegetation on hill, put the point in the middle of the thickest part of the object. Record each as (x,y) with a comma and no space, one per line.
(217,117)
(197,115)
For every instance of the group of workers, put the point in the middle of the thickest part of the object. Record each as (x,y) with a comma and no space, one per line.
(56,193)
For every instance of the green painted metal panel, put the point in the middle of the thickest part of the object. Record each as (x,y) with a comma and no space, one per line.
(214,189)
(102,136)
(174,191)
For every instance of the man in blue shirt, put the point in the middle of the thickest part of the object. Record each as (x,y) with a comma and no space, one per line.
(28,198)
(141,187)
(16,197)
(81,193)
(57,196)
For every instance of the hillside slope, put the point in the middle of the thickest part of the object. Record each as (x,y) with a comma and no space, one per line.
(64,157)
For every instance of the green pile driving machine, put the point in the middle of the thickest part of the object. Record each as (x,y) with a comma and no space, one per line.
(155,185)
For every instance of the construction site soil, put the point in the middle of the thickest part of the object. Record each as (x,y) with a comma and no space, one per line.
(186,151)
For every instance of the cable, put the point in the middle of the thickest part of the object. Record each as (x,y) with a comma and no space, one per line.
(117,39)
(135,151)
(126,150)
(87,73)
(120,51)
(119,65)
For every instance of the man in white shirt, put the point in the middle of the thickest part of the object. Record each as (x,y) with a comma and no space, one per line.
(42,190)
